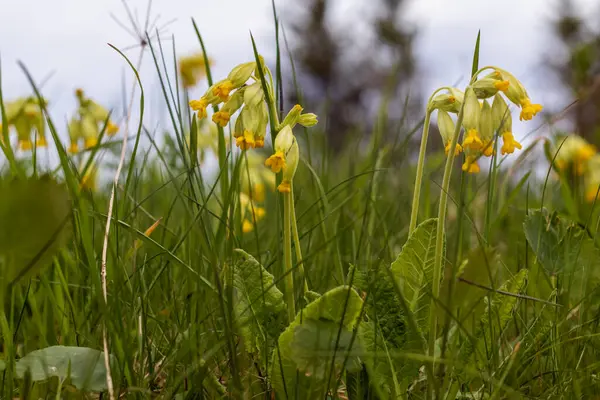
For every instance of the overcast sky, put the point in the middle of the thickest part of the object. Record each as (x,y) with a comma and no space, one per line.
(69,39)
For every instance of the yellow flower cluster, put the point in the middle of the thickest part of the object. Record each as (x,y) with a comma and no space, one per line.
(481,120)
(192,69)
(87,124)
(243,91)
(25,116)
(574,155)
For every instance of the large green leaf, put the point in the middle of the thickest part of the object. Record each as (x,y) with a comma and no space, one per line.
(34,214)
(83,365)
(258,304)
(320,334)
(413,269)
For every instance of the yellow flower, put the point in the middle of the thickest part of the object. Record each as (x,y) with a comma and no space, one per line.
(192,69)
(486,129)
(509,144)
(285,187)
(41,142)
(488,149)
(73,148)
(247,226)
(472,141)
(90,142)
(582,155)
(25,144)
(470,165)
(502,85)
(450,102)
(222,89)
(111,129)
(528,110)
(200,107)
(276,162)
(457,149)
(259,142)
(245,141)
(221,118)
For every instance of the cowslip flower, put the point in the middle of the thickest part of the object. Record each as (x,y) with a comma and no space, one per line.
(285,158)
(192,69)
(502,119)
(446,127)
(517,94)
(576,152)
(250,213)
(472,114)
(592,179)
(449,102)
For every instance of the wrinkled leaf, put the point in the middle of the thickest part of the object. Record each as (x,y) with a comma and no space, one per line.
(258,304)
(413,269)
(86,366)
(301,363)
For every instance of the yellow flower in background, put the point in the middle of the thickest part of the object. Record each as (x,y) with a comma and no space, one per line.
(592,179)
(192,69)
(250,213)
(574,151)
(26,116)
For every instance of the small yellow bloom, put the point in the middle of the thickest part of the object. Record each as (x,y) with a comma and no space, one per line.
(472,141)
(222,90)
(111,129)
(457,148)
(488,149)
(221,118)
(276,162)
(245,141)
(247,226)
(470,165)
(90,142)
(259,142)
(502,85)
(509,144)
(73,148)
(200,107)
(529,110)
(293,116)
(41,142)
(25,144)
(285,187)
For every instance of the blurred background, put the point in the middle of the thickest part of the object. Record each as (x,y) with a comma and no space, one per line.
(347,53)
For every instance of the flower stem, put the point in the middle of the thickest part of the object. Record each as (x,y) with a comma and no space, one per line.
(439,247)
(287,256)
(417,194)
(296,237)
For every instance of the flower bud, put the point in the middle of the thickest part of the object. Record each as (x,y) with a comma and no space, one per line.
(450,102)
(241,73)
(446,127)
(486,129)
(293,116)
(501,116)
(308,120)
(487,87)
(292,158)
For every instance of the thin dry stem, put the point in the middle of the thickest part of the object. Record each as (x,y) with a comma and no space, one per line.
(109,381)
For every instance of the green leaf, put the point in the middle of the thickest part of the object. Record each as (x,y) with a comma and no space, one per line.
(413,269)
(84,366)
(258,304)
(301,363)
(34,214)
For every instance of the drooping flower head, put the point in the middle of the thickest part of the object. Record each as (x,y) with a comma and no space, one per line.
(192,69)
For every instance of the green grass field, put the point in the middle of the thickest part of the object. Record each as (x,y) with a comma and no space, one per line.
(360,274)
